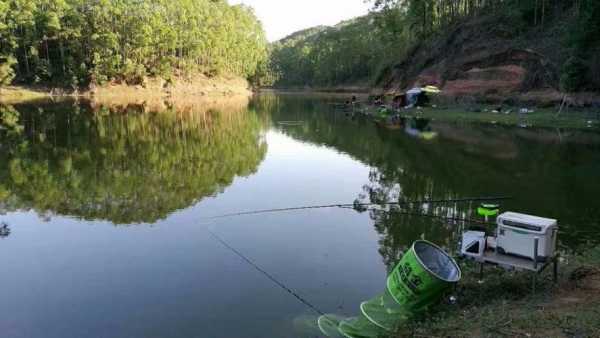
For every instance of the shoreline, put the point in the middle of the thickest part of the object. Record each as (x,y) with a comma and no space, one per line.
(571,117)
(539,98)
(155,93)
(152,90)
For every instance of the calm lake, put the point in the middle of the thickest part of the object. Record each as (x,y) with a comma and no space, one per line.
(108,210)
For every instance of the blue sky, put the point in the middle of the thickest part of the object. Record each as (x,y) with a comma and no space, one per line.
(283,17)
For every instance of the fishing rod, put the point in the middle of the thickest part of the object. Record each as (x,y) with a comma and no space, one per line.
(359,205)
(354,205)
(266,274)
(294,293)
(448,218)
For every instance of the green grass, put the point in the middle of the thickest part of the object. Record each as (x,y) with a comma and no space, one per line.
(541,118)
(503,305)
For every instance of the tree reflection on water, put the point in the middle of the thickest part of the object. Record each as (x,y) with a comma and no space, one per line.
(125,165)
(549,173)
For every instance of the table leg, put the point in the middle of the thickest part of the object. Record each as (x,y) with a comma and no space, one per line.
(555,272)
(480,271)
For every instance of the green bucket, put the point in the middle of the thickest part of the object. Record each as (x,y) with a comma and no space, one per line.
(417,282)
(488,210)
(422,276)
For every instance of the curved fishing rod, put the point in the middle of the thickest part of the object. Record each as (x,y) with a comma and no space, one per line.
(355,205)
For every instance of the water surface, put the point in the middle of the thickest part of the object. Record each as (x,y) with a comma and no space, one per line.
(108,210)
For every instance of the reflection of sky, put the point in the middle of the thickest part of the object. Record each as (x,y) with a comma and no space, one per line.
(294,174)
(70,278)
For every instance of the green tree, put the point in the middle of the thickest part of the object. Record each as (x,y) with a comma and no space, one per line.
(7,73)
(80,41)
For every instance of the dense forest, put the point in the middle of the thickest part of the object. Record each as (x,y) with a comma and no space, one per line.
(75,42)
(359,50)
(351,51)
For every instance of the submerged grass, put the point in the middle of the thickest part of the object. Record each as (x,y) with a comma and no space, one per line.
(504,306)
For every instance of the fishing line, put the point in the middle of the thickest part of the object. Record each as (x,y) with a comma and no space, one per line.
(265,273)
(342,205)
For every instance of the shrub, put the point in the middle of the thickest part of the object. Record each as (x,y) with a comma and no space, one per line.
(573,75)
(7,73)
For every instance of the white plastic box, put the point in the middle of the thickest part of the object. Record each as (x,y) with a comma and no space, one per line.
(473,244)
(516,235)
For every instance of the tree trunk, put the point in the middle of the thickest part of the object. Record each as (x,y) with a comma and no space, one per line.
(24,51)
(535,15)
(47,51)
(62,56)
(543,11)
(27,71)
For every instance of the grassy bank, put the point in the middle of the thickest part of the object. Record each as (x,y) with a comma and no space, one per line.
(503,305)
(152,89)
(182,88)
(16,94)
(545,118)
(541,118)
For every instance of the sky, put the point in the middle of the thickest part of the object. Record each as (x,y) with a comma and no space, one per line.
(283,17)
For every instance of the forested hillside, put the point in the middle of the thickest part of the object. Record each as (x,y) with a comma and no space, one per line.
(555,42)
(74,42)
(323,56)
